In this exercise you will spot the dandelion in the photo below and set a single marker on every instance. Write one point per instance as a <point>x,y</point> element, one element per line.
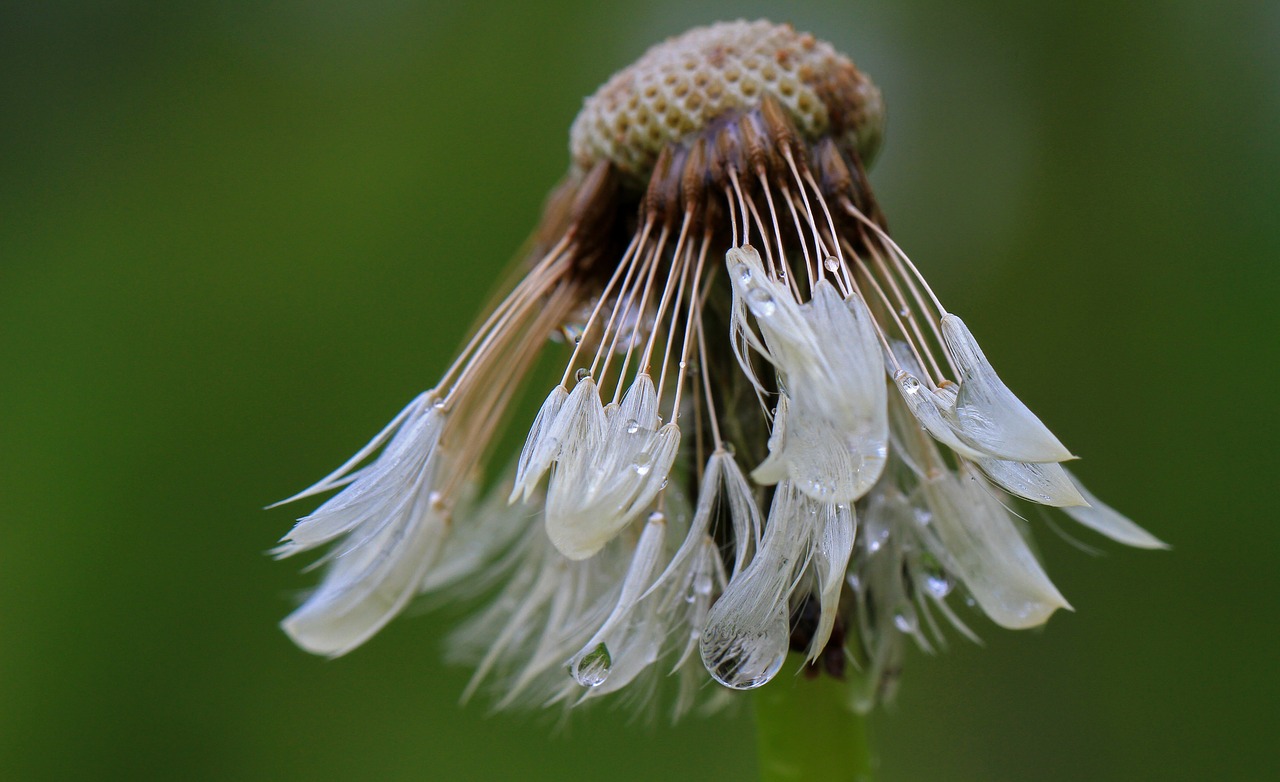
<point>768,436</point>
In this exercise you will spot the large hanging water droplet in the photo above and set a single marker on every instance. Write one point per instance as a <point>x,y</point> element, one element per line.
<point>592,668</point>
<point>748,659</point>
<point>762,303</point>
<point>831,264</point>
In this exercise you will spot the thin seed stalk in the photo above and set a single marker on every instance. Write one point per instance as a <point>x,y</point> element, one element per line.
<point>807,730</point>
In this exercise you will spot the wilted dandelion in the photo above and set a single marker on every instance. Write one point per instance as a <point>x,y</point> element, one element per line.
<point>769,434</point>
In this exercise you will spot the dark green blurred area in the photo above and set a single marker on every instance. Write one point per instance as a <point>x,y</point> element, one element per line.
<point>236,238</point>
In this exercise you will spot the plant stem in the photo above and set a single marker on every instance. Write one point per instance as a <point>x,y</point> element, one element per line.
<point>807,731</point>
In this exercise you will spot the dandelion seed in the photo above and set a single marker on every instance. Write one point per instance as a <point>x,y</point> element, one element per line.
<point>719,283</point>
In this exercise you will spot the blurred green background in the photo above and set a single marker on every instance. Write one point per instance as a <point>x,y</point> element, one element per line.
<point>236,238</point>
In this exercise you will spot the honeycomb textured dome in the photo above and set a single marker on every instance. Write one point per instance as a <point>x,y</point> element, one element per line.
<point>680,85</point>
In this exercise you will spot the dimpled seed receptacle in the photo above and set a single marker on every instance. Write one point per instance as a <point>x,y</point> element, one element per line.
<point>686,82</point>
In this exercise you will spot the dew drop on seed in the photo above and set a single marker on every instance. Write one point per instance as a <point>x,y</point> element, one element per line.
<point>819,489</point>
<point>831,264</point>
<point>910,385</point>
<point>748,660</point>
<point>938,585</point>
<point>582,374</point>
<point>905,621</point>
<point>569,332</point>
<point>904,312</point>
<point>632,426</point>
<point>744,273</point>
<point>762,303</point>
<point>643,464</point>
<point>592,668</point>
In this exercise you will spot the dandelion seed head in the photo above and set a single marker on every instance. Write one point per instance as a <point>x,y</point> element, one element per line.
<point>679,86</point>
<point>769,436</point>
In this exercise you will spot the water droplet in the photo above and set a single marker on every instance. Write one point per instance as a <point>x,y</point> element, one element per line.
<point>905,619</point>
<point>819,489</point>
<point>643,463</point>
<point>592,668</point>
<point>436,501</point>
<point>744,273</point>
<point>831,264</point>
<point>728,448</point>
<point>657,516</point>
<point>632,426</point>
<point>569,332</point>
<point>582,374</point>
<point>762,303</point>
<point>702,585</point>
<point>746,660</point>
<point>938,584</point>
<point>911,385</point>
<point>877,539</point>
<point>904,312</point>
